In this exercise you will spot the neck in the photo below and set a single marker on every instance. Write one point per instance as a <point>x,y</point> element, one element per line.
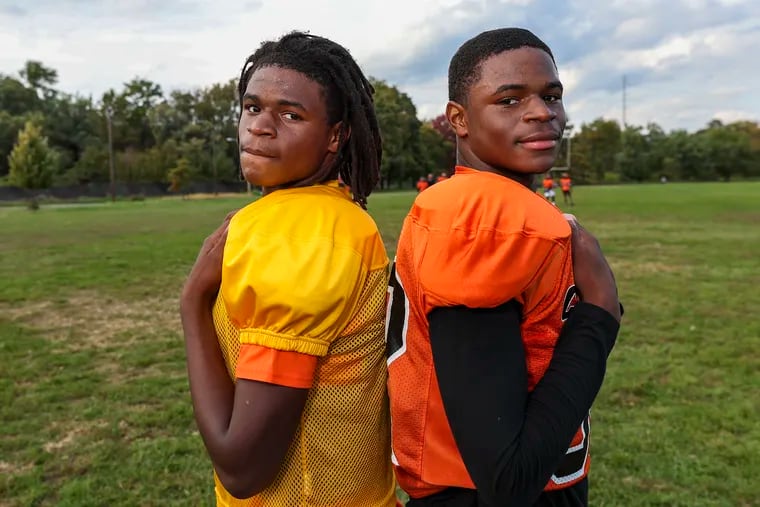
<point>467,160</point>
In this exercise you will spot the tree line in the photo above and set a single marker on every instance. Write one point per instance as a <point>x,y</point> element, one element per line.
<point>51,138</point>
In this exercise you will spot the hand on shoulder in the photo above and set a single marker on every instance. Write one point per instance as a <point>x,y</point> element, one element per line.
<point>593,275</point>
<point>202,285</point>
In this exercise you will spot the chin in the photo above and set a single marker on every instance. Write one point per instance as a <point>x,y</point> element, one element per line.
<point>539,166</point>
<point>531,170</point>
<point>254,178</point>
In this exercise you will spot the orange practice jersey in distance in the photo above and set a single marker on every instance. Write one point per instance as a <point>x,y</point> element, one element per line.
<point>565,184</point>
<point>478,240</point>
<point>548,183</point>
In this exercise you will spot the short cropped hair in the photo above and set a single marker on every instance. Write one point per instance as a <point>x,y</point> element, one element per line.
<point>465,66</point>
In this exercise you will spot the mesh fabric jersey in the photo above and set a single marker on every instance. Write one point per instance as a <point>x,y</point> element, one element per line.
<point>305,272</point>
<point>476,240</point>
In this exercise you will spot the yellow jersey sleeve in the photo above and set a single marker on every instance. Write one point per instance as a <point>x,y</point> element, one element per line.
<point>291,280</point>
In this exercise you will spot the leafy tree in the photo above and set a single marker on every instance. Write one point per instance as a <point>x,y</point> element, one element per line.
<point>39,78</point>
<point>131,123</point>
<point>752,132</point>
<point>217,106</point>
<point>157,161</point>
<point>441,124</point>
<point>728,151</point>
<point>400,130</point>
<point>10,126</point>
<point>179,175</point>
<point>595,150</point>
<point>15,98</point>
<point>92,166</point>
<point>436,152</point>
<point>170,118</point>
<point>141,95</point>
<point>72,123</point>
<point>633,159</point>
<point>152,132</point>
<point>199,157</point>
<point>32,162</point>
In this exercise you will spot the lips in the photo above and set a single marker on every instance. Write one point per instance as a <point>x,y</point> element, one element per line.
<point>540,141</point>
<point>256,152</point>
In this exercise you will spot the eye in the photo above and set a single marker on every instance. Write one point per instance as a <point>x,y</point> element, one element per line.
<point>291,116</point>
<point>551,99</point>
<point>509,101</point>
<point>251,108</point>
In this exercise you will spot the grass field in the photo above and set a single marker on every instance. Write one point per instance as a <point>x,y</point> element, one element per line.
<point>94,406</point>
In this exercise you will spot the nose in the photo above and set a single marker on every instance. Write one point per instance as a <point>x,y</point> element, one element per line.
<point>539,110</point>
<point>262,124</point>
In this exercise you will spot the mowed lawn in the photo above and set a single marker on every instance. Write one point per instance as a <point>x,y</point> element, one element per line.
<point>94,405</point>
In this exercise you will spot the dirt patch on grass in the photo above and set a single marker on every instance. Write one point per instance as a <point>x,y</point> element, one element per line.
<point>89,320</point>
<point>82,430</point>
<point>10,469</point>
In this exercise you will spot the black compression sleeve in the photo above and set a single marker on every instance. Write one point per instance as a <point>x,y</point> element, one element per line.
<point>511,441</point>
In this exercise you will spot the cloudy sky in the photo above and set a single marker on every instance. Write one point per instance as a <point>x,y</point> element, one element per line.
<point>685,61</point>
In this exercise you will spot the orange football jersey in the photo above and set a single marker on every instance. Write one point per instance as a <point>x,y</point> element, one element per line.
<point>477,240</point>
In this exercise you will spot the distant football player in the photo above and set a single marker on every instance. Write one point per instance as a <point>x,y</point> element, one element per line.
<point>494,359</point>
<point>548,185</point>
<point>566,184</point>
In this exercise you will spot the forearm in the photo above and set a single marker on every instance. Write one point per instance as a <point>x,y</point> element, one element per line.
<point>246,426</point>
<point>211,389</point>
<point>510,442</point>
<point>575,374</point>
<point>559,403</point>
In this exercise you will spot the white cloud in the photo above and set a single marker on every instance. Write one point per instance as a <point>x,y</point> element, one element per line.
<point>686,61</point>
<point>729,116</point>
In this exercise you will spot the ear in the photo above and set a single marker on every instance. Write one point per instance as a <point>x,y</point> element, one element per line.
<point>336,133</point>
<point>457,116</point>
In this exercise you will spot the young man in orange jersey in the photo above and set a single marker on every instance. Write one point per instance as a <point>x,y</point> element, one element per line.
<point>548,185</point>
<point>494,358</point>
<point>566,184</point>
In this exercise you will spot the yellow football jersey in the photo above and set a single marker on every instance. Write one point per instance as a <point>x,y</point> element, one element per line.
<point>305,274</point>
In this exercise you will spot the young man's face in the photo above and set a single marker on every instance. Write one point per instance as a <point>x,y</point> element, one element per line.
<point>513,120</point>
<point>284,132</point>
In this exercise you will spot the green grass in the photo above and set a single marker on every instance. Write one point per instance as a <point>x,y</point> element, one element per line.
<point>94,407</point>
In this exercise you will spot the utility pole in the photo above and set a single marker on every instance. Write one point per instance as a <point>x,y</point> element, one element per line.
<point>623,132</point>
<point>213,164</point>
<point>109,115</point>
<point>624,104</point>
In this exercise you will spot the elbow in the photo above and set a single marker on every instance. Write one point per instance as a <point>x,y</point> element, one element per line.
<point>245,483</point>
<point>508,495</point>
<point>518,484</point>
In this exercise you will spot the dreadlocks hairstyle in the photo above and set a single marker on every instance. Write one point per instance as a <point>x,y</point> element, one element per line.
<point>348,95</point>
<point>464,69</point>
